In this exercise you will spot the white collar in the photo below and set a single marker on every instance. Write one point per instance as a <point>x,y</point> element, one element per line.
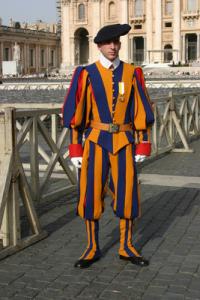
<point>106,63</point>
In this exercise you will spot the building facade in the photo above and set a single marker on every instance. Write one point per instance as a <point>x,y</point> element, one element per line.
<point>39,46</point>
<point>162,30</point>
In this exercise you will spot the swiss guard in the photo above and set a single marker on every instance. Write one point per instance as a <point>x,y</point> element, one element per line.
<point>108,102</point>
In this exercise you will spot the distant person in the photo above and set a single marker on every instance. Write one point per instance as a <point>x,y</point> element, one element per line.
<point>108,102</point>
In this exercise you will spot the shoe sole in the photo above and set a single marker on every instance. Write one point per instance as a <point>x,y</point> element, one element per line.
<point>88,263</point>
<point>135,262</point>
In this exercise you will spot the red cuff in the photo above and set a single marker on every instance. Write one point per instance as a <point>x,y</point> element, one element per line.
<point>143,149</point>
<point>75,150</point>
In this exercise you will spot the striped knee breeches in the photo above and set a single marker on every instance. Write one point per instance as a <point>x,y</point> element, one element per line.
<point>123,182</point>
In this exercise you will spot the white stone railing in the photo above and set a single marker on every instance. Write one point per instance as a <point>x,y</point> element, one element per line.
<point>177,119</point>
<point>33,149</point>
<point>30,151</point>
<point>34,86</point>
<point>64,85</point>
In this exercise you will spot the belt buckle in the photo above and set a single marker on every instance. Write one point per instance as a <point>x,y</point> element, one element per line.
<point>113,128</point>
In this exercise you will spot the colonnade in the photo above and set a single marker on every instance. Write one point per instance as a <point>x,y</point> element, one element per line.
<point>153,32</point>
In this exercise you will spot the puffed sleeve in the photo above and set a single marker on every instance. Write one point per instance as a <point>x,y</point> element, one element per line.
<point>144,117</point>
<point>75,111</point>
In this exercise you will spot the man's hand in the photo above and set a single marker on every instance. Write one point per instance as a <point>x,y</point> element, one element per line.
<point>77,161</point>
<point>140,158</point>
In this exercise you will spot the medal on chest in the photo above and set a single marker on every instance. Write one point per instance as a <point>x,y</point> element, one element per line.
<point>121,91</point>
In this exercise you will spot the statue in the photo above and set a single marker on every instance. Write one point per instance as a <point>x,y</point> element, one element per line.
<point>16,52</point>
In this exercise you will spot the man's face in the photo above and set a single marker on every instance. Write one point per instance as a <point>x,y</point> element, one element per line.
<point>110,49</point>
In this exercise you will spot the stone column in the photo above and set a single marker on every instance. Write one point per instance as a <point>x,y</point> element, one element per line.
<point>1,51</point>
<point>47,58</point>
<point>96,25</point>
<point>65,34</point>
<point>149,28</point>
<point>25,59</point>
<point>28,59</point>
<point>91,52</point>
<point>176,30</point>
<point>72,51</point>
<point>198,47</point>
<point>124,39</point>
<point>158,30</point>
<point>1,57</point>
<point>37,58</point>
<point>183,48</point>
<point>130,48</point>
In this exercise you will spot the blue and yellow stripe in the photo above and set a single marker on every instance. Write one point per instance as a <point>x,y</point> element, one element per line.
<point>126,248</point>
<point>92,251</point>
<point>93,178</point>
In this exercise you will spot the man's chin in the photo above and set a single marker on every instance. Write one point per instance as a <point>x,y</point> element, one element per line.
<point>112,57</point>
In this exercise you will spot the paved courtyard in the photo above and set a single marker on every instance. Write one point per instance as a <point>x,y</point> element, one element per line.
<point>168,234</point>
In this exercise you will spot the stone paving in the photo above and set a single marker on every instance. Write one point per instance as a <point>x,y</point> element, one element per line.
<point>168,235</point>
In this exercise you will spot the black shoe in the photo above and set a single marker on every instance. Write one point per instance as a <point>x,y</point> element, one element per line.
<point>85,263</point>
<point>136,260</point>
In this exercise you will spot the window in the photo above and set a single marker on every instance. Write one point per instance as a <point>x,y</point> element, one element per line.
<point>168,7</point>
<point>139,26</point>
<point>168,53</point>
<point>6,54</point>
<point>81,11</point>
<point>168,24</point>
<point>138,8</point>
<point>42,57</point>
<point>192,5</point>
<point>111,10</point>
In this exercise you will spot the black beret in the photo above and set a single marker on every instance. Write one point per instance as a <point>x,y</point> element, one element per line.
<point>111,32</point>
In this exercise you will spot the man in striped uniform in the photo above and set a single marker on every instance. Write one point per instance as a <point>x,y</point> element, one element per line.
<point>108,102</point>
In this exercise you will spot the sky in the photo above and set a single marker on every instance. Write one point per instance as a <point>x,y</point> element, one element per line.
<point>28,10</point>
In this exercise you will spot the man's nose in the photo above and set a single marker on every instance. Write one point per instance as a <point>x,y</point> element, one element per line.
<point>112,45</point>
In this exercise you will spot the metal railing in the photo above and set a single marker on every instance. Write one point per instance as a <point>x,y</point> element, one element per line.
<point>33,150</point>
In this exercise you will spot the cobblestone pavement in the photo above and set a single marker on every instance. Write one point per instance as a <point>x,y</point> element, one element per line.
<point>167,234</point>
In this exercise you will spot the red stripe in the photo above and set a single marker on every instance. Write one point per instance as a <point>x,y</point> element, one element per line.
<point>140,77</point>
<point>79,89</point>
<point>78,94</point>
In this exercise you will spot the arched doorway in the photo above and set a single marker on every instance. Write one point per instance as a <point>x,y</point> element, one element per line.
<point>168,53</point>
<point>138,50</point>
<point>81,48</point>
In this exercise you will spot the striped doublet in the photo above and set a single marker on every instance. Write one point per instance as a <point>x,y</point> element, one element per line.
<point>114,97</point>
<point>94,95</point>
